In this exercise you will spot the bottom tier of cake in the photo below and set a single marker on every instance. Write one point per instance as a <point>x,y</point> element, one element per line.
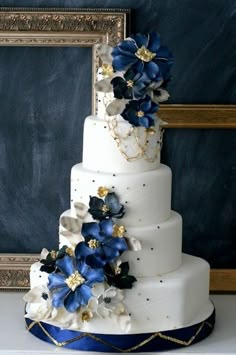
<point>159,303</point>
<point>198,330</point>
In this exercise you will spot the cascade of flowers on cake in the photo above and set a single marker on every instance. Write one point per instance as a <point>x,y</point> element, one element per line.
<point>137,72</point>
<point>86,279</point>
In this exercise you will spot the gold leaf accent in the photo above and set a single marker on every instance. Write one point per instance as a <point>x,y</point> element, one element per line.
<point>144,54</point>
<point>103,191</point>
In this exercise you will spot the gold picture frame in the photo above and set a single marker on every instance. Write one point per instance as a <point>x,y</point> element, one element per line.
<point>87,27</point>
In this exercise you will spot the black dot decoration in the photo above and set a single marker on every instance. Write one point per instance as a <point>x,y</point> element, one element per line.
<point>99,100</point>
<point>93,180</point>
<point>152,248</point>
<point>129,314</point>
<point>161,281</point>
<point>144,184</point>
<point>114,174</point>
<point>126,201</point>
<point>40,275</point>
<point>138,259</point>
<point>147,141</point>
<point>148,299</point>
<point>113,187</point>
<point>71,200</point>
<point>75,190</point>
<point>158,227</point>
<point>105,126</point>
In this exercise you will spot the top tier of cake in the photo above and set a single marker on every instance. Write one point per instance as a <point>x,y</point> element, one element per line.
<point>104,152</point>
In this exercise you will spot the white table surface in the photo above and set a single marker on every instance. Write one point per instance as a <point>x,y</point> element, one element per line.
<point>16,340</point>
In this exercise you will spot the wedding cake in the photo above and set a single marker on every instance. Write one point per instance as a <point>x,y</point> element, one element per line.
<point>119,281</point>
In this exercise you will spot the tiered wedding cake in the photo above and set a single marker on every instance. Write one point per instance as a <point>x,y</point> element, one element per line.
<point>120,281</point>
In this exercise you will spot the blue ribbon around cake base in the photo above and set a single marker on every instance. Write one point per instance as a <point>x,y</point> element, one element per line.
<point>145,342</point>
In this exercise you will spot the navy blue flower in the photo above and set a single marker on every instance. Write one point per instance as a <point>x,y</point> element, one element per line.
<point>99,246</point>
<point>71,287</point>
<point>145,54</point>
<point>132,86</point>
<point>141,112</point>
<point>107,208</point>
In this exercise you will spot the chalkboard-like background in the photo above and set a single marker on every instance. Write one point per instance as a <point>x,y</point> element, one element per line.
<point>45,94</point>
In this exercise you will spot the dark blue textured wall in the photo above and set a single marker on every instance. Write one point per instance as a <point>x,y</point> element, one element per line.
<point>45,96</point>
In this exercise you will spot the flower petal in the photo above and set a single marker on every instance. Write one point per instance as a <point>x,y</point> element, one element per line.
<point>133,244</point>
<point>81,210</point>
<point>56,281</point>
<point>98,289</point>
<point>82,250</point>
<point>106,227</point>
<point>85,293</point>
<point>102,311</point>
<point>90,229</point>
<point>44,253</point>
<point>73,301</point>
<point>154,42</point>
<point>104,52</point>
<point>122,62</point>
<point>104,85</point>
<point>116,107</point>
<point>66,265</point>
<point>71,224</point>
<point>58,297</point>
<point>94,275</point>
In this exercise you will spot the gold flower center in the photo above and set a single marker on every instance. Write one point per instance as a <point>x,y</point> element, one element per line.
<point>103,191</point>
<point>105,208</point>
<point>86,316</point>
<point>53,254</point>
<point>130,83</point>
<point>93,244</point>
<point>118,231</point>
<point>144,54</point>
<point>107,69</point>
<point>74,280</point>
<point>140,113</point>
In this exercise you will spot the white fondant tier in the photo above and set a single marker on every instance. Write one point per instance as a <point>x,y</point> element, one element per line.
<point>146,196</point>
<point>166,302</point>
<point>161,247</point>
<point>101,151</point>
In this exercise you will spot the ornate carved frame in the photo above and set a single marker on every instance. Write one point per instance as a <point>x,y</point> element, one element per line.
<point>87,27</point>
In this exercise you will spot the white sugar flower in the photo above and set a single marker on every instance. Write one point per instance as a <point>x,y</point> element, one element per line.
<point>39,305</point>
<point>70,227</point>
<point>107,303</point>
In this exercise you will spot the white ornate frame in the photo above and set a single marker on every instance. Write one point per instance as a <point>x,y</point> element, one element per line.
<point>54,27</point>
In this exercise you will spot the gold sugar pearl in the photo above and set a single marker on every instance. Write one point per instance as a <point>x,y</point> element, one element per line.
<point>118,231</point>
<point>144,54</point>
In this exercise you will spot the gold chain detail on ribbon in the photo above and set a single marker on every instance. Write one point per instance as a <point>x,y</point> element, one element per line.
<point>135,347</point>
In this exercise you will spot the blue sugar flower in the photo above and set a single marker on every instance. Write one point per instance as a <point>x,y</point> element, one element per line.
<point>107,208</point>
<point>141,112</point>
<point>145,54</point>
<point>132,86</point>
<point>99,246</point>
<point>71,287</point>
